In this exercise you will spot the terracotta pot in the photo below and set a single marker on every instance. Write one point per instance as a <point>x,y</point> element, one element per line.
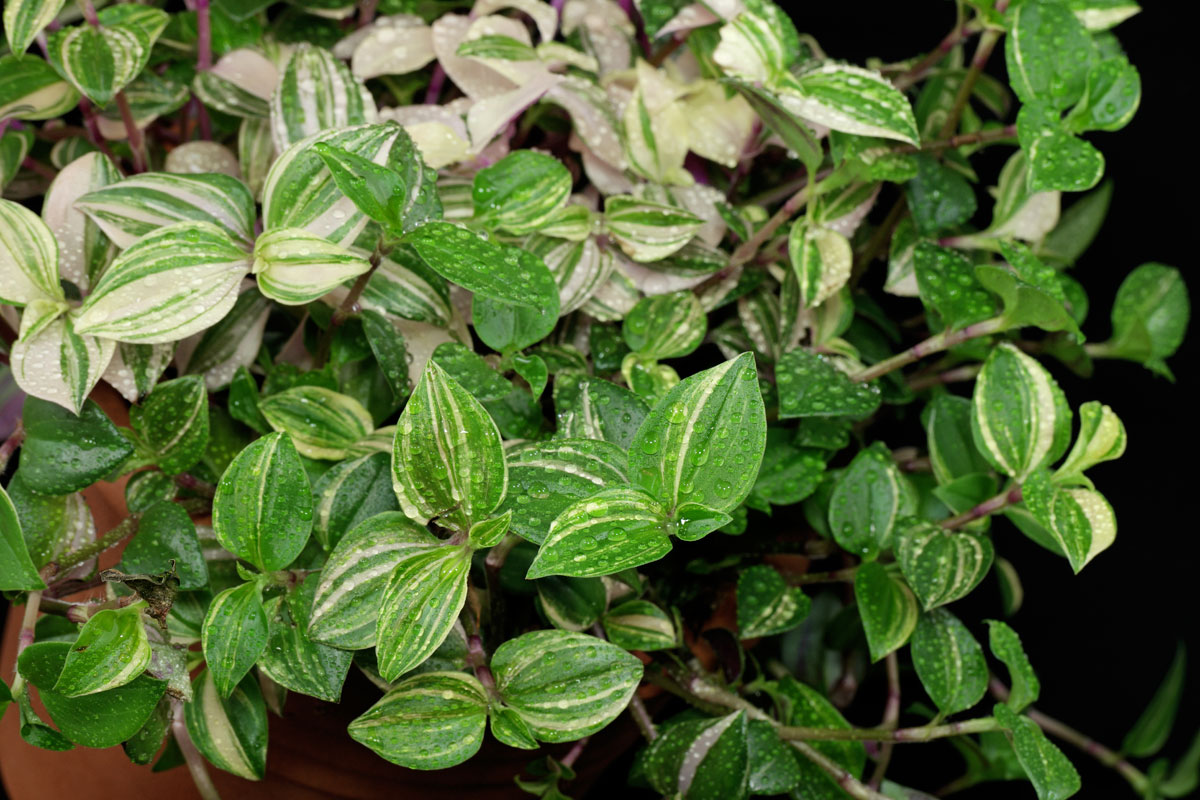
<point>309,755</point>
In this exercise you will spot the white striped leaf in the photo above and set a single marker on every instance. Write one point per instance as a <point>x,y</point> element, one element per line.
<point>648,231</point>
<point>322,423</point>
<point>851,100</point>
<point>1101,438</point>
<point>255,153</point>
<point>870,497</point>
<point>403,286</point>
<point>508,728</point>
<point>665,325</point>
<point>704,441</point>
<point>571,604</point>
<point>949,662</point>
<point>1081,521</point>
<point>101,60</point>
<point>574,222</point>
<point>25,19</point>
<point>292,659</point>
<point>429,721</point>
<point>112,650</point>
<point>230,344</point>
<point>135,368</point>
<point>597,409</point>
<point>234,635</point>
<point>887,607</point>
<point>544,478</point>
<point>579,268</point>
<point>316,93</point>
<point>612,530</point>
<point>766,605</point>
<point>53,524</point>
<point>347,599</point>
<point>759,313</point>
<point>1020,418</point>
<point>656,131</point>
<point>262,510</point>
<point>821,258</point>
<point>172,283</point>
<point>351,492</point>
<point>59,364</point>
<point>941,565</point>
<point>488,532</point>
<point>172,424</point>
<point>84,250</point>
<point>420,604</point>
<point>228,97</point>
<point>230,732</point>
<point>640,625</point>
<point>141,204</point>
<point>14,148</point>
<point>300,192</point>
<point>521,192</point>
<point>701,758</point>
<point>296,267</point>
<point>448,462</point>
<point>532,670</point>
<point>757,45</point>
<point>30,89</point>
<point>28,257</point>
<point>1100,15</point>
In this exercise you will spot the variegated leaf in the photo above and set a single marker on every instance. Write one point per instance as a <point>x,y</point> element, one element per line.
<point>521,192</point>
<point>30,89</point>
<point>403,286</point>
<point>949,662</point>
<point>887,606</point>
<point>701,758</point>
<point>28,257</point>
<point>240,83</point>
<point>1052,774</point>
<point>531,671</point>
<point>14,149</point>
<point>571,604</point>
<point>25,19</point>
<point>448,462</point>
<point>597,409</point>
<point>172,424</point>
<point>808,706</point>
<point>940,565</point>
<point>230,732</point>
<point>1081,521</point>
<point>255,153</point>
<point>135,368</point>
<point>952,451</point>
<point>870,497</point>
<point>766,605</point>
<point>301,193</point>
<point>292,659</point>
<point>296,267</point>
<point>348,597</point>
<point>59,364</point>
<point>232,343</point>
<point>429,721</point>
<point>704,441</point>
<point>648,231</point>
<point>1020,418</point>
<point>316,93</point>
<point>234,635</point>
<point>101,60</point>
<point>821,258</point>
<point>656,127</point>
<point>852,100</point>
<point>666,325</point>
<point>579,268</point>
<point>1101,438</point>
<point>84,250</point>
<point>351,492</point>
<point>395,45</point>
<point>322,423</point>
<point>546,477</point>
<point>52,524</point>
<point>1005,645</point>
<point>422,599</point>
<point>758,45</point>
<point>149,97</point>
<point>112,650</point>
<point>641,625</point>
<point>612,530</point>
<point>17,570</point>
<point>141,204</point>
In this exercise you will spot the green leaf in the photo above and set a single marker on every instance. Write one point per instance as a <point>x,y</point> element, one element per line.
<point>448,462</point>
<point>348,596</point>
<point>534,370</point>
<point>1152,729</point>
<point>648,231</point>
<point>175,281</point>
<point>1048,53</point>
<point>1080,521</point>
<point>64,453</point>
<point>17,571</point>
<point>949,662</point>
<point>704,759</point>
<point>471,371</point>
<point>1101,438</point>
<point>887,606</point>
<point>952,452</point>
<point>532,669</point>
<point>939,196</point>
<point>852,100</point>
<point>508,728</point>
<point>773,770</point>
<point>231,732</point>
<point>1185,775</point>
<point>1052,775</point>
<point>572,604</point>
<point>234,635</point>
<point>1149,315</point>
<point>112,650</point>
<point>30,257</point>
<point>104,719</point>
<point>321,423</point>
<point>940,565</point>
<point>665,325</point>
<point>607,532</point>
<point>30,88</point>
<point>262,511</point>
<point>25,19</point>
<point>52,525</point>
<point>766,605</point>
<point>704,441</point>
<point>770,108</point>
<point>429,721</point>
<point>788,473</point>
<point>488,532</point>
<point>870,496</point>
<point>316,93</point>
<point>296,267</point>
<point>350,493</point>
<point>521,192</point>
<point>389,349</point>
<point>948,286</point>
<point>811,386</point>
<point>1077,227</point>
<point>1114,90</point>
<point>593,408</point>
<point>166,533</point>
<point>641,625</point>
<point>420,604</point>
<point>1006,646</point>
<point>1031,291</point>
<point>101,60</point>
<point>292,659</point>
<point>131,208</point>
<point>501,273</point>
<point>1019,413</point>
<point>507,327</point>
<point>805,706</point>
<point>145,744</point>
<point>821,258</point>
<point>172,423</point>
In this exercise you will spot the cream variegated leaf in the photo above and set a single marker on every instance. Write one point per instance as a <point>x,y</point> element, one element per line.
<point>594,118</point>
<point>141,204</point>
<point>100,60</point>
<point>25,19</point>
<point>821,258</point>
<point>135,368</point>
<point>256,153</point>
<point>887,606</point>
<point>754,46</point>
<point>579,268</point>
<point>657,128</point>
<point>1101,438</point>
<point>240,83</point>
<point>172,283</point>
<point>940,565</point>
<point>234,342</point>
<point>58,364</point>
<point>296,267</point>
<point>851,100</point>
<point>1080,520</point>
<point>84,250</point>
<point>648,231</point>
<point>316,94</point>
<point>230,732</point>
<point>665,326</point>
<point>29,257</point>
<point>322,423</point>
<point>394,45</point>
<point>32,90</point>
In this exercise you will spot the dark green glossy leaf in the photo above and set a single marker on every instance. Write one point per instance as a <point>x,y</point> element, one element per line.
<point>293,660</point>
<point>766,605</point>
<point>940,565</point>
<point>939,197</point>
<point>17,571</point>
<point>63,453</point>
<point>887,606</point>
<point>704,759</point>
<point>1006,646</point>
<point>1052,775</point>
<point>231,732</point>
<point>811,386</point>
<point>234,634</point>
<point>166,533</point>
<point>948,286</point>
<point>1153,727</point>
<point>112,650</point>
<point>949,662</point>
<point>870,496</point>
<point>349,493</point>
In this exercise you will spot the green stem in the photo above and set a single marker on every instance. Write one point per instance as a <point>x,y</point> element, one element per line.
<point>975,137</point>
<point>195,762</point>
<point>748,249</point>
<point>934,344</point>
<point>957,35</point>
<point>642,718</point>
<point>987,42</point>
<point>924,733</point>
<point>127,527</point>
<point>891,718</point>
<point>990,506</point>
<point>349,306</point>
<point>850,785</point>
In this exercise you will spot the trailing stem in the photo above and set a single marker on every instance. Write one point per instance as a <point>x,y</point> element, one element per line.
<point>195,762</point>
<point>988,507</point>
<point>748,249</point>
<point>127,527</point>
<point>934,344</point>
<point>891,717</point>
<point>137,142</point>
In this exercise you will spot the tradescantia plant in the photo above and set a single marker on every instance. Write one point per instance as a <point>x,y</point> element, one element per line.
<point>493,398</point>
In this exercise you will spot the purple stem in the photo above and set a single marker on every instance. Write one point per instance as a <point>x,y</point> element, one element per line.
<point>203,36</point>
<point>435,86</point>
